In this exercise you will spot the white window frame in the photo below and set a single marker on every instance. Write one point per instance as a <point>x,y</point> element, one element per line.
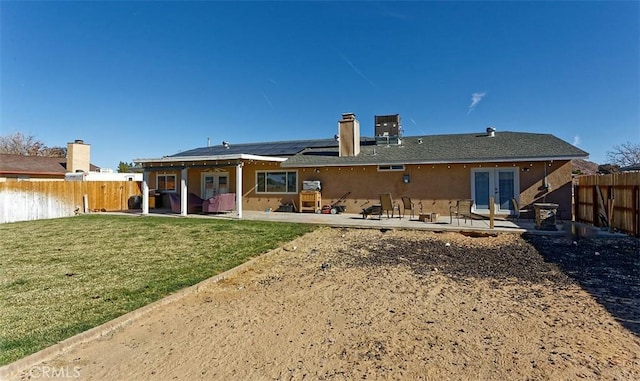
<point>391,168</point>
<point>266,173</point>
<point>175,182</point>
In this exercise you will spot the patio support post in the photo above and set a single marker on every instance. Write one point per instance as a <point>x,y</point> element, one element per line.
<point>239,188</point>
<point>184,195</point>
<point>145,193</point>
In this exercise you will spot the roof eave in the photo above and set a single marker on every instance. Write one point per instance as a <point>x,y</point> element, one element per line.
<point>432,162</point>
<point>9,172</point>
<point>182,159</point>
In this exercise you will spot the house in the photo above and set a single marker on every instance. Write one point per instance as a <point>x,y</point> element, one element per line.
<point>76,166</point>
<point>433,170</point>
<point>37,168</point>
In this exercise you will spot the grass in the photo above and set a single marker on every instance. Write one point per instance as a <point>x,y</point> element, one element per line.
<point>63,276</point>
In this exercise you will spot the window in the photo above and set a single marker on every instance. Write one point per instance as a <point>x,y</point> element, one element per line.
<point>395,167</point>
<point>166,183</point>
<point>276,182</point>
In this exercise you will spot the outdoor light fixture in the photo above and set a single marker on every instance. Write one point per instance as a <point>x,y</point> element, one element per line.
<point>406,179</point>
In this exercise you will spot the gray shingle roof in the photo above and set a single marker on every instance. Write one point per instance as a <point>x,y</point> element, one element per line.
<point>454,148</point>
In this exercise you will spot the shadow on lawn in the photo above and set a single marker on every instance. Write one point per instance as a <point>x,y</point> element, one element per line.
<point>608,267</point>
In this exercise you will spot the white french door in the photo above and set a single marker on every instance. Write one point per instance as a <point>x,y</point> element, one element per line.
<point>214,183</point>
<point>502,184</point>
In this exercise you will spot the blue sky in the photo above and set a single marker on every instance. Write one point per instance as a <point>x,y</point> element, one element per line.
<point>138,79</point>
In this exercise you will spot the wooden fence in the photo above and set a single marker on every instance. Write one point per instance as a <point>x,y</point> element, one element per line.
<point>610,201</point>
<point>33,200</point>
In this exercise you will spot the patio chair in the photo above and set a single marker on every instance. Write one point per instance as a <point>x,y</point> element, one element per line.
<point>517,209</point>
<point>387,204</point>
<point>462,209</point>
<point>408,204</point>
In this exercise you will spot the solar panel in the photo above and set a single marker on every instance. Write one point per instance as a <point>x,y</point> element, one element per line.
<point>283,148</point>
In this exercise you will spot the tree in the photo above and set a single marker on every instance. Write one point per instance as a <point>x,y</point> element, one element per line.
<point>625,155</point>
<point>19,144</point>
<point>124,167</point>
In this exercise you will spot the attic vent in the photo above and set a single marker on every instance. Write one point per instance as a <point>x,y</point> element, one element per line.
<point>491,131</point>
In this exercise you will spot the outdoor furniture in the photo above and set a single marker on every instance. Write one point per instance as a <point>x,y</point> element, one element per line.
<point>408,204</point>
<point>428,217</point>
<point>517,209</point>
<point>462,209</point>
<point>224,202</point>
<point>373,209</point>
<point>194,203</point>
<point>387,204</point>
<point>310,201</point>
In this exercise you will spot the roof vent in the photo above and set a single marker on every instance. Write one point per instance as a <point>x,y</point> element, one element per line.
<point>491,131</point>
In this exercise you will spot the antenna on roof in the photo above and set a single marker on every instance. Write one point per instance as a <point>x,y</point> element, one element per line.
<point>208,142</point>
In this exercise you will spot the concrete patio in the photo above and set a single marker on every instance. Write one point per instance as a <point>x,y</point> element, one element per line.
<point>443,223</point>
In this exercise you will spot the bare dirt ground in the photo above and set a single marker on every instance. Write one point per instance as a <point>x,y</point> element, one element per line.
<point>345,304</point>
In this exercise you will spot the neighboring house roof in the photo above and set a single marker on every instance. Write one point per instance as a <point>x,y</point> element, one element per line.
<point>34,165</point>
<point>452,148</point>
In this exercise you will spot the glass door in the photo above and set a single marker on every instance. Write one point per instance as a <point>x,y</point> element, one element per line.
<point>214,183</point>
<point>500,183</point>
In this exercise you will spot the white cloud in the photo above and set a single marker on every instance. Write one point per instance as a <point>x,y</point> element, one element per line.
<point>576,140</point>
<point>475,99</point>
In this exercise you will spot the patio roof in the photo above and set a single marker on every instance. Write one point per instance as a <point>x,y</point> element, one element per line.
<point>189,161</point>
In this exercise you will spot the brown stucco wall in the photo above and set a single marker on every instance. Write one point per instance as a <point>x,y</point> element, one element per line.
<point>432,188</point>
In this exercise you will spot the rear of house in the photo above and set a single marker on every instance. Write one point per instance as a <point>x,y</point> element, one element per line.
<point>433,170</point>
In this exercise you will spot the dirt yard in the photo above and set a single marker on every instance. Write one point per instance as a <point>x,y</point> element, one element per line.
<point>345,304</point>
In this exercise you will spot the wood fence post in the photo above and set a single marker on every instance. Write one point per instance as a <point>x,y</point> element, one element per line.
<point>594,205</point>
<point>636,213</point>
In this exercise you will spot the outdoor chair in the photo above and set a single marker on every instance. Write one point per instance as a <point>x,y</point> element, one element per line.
<point>462,209</point>
<point>408,204</point>
<point>194,203</point>
<point>387,204</point>
<point>517,209</point>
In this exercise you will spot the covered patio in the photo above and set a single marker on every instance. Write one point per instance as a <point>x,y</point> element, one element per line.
<point>186,163</point>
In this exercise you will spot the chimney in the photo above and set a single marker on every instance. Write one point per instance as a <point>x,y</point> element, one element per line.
<point>349,135</point>
<point>78,156</point>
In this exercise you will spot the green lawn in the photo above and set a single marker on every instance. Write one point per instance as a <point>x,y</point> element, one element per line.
<point>63,276</point>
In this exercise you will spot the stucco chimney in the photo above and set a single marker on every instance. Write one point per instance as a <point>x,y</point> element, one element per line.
<point>349,135</point>
<point>78,156</point>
